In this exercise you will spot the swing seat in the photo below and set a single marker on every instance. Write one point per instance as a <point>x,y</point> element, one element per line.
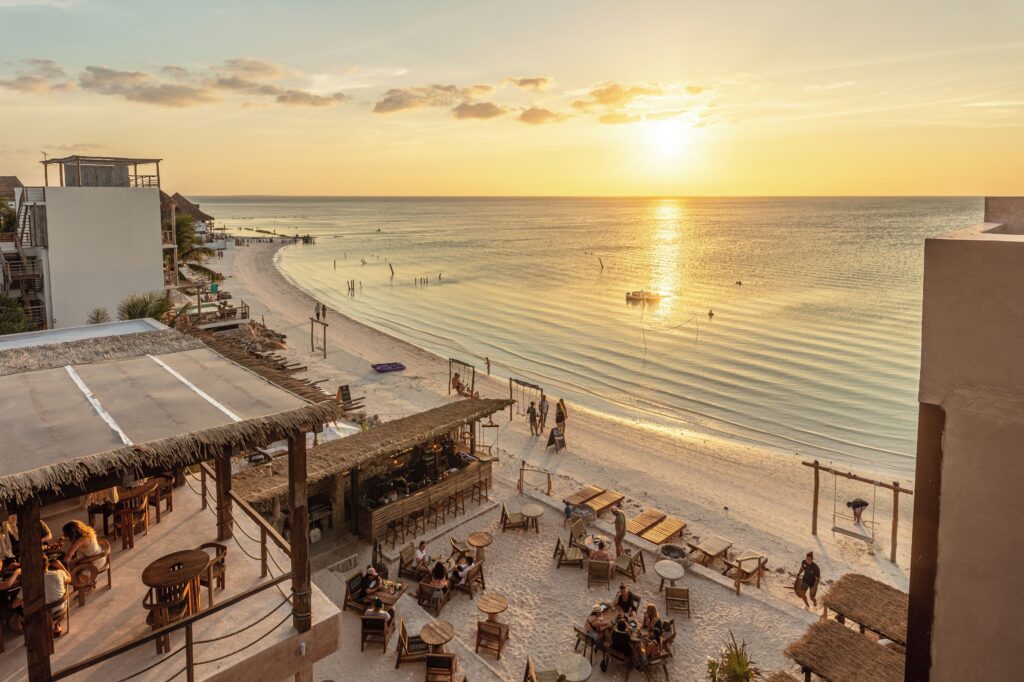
<point>853,534</point>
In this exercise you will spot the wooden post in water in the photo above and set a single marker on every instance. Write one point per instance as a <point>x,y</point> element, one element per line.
<point>302,617</point>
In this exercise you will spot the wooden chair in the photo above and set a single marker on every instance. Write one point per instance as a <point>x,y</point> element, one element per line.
<point>599,572</point>
<point>491,636</point>
<point>588,644</point>
<point>441,667</point>
<point>668,633</point>
<point>216,574</point>
<point>512,519</point>
<point>745,567</point>
<point>569,557</point>
<point>376,629</point>
<point>432,598</point>
<point>167,606</point>
<point>611,654</point>
<point>578,531</point>
<point>678,599</point>
<point>475,577</point>
<point>407,564</point>
<point>62,607</point>
<point>458,549</point>
<point>655,662</point>
<point>630,564</point>
<point>86,570</point>
<point>131,514</point>
<point>534,675</point>
<point>354,597</point>
<point>410,649</point>
<point>163,491</point>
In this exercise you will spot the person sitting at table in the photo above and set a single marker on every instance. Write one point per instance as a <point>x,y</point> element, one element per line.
<point>652,645</point>
<point>377,609</point>
<point>651,621</point>
<point>622,642</point>
<point>80,544</point>
<point>600,554</point>
<point>438,577</point>
<point>626,602</point>
<point>598,629</point>
<point>10,529</point>
<point>420,559</point>
<point>371,583</point>
<point>461,572</point>
<point>55,586</point>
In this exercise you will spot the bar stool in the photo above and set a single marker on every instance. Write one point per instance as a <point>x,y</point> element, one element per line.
<point>437,511</point>
<point>457,502</point>
<point>392,530</point>
<point>416,522</point>
<point>478,491</point>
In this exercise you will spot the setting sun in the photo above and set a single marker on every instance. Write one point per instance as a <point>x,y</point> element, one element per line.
<point>668,136</point>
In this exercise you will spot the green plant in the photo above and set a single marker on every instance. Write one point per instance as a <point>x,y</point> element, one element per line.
<point>12,316</point>
<point>732,664</point>
<point>191,251</point>
<point>8,218</point>
<point>137,306</point>
<point>97,316</point>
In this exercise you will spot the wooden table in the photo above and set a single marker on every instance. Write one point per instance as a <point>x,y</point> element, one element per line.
<point>479,540</point>
<point>532,512</point>
<point>436,634</point>
<point>670,571</point>
<point>389,597</point>
<point>179,568</point>
<point>710,548</point>
<point>591,542</point>
<point>492,604</point>
<point>576,668</point>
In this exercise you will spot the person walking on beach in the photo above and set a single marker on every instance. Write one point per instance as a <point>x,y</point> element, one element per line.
<point>807,579</point>
<point>620,530</point>
<point>488,361</point>
<point>543,412</point>
<point>560,415</point>
<point>531,412</point>
<point>316,311</point>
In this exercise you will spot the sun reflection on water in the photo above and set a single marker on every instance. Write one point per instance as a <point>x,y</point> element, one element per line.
<point>666,260</point>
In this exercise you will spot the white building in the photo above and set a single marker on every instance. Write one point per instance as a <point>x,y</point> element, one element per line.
<point>87,242</point>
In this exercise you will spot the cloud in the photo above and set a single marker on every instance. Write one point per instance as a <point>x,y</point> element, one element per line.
<point>612,95</point>
<point>59,4</point>
<point>302,98</point>
<point>136,86</point>
<point>178,73</point>
<point>479,110</point>
<point>247,67</point>
<point>78,147</point>
<point>694,89</point>
<point>618,118</point>
<point>38,76</point>
<point>529,82</point>
<point>536,116</point>
<point>402,99</point>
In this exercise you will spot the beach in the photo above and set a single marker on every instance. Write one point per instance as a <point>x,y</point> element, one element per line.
<point>758,498</point>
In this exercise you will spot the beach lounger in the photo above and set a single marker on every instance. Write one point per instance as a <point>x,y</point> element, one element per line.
<point>641,523</point>
<point>605,501</point>
<point>583,495</point>
<point>746,566</point>
<point>669,527</point>
<point>709,549</point>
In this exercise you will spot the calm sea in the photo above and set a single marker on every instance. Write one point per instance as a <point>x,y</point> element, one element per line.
<point>816,352</point>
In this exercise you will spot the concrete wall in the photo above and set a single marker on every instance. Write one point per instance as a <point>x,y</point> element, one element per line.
<point>104,244</point>
<point>1009,211</point>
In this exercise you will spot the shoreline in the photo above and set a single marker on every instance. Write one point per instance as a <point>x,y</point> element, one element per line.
<point>757,497</point>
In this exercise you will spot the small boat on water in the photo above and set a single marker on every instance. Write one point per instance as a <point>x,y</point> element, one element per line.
<point>388,367</point>
<point>645,296</point>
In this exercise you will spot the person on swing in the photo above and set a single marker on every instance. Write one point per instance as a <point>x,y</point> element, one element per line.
<point>858,506</point>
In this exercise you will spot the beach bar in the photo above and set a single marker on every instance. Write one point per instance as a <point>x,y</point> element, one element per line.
<point>109,425</point>
<point>392,478</point>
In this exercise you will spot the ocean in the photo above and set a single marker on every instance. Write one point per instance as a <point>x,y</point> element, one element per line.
<point>813,347</point>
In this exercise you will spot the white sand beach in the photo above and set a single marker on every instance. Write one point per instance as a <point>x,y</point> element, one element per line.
<point>758,499</point>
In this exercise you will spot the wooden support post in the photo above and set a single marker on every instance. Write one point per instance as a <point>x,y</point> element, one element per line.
<point>302,617</point>
<point>222,467</point>
<point>895,519</point>
<point>325,340</point>
<point>312,343</point>
<point>472,439</point>
<point>158,174</point>
<point>78,162</point>
<point>37,639</point>
<point>814,517</point>
<point>354,521</point>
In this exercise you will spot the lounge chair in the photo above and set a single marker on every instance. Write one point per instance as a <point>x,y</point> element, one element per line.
<point>491,636</point>
<point>569,557</point>
<point>665,529</point>
<point>630,564</point>
<point>475,577</point>
<point>534,675</point>
<point>746,566</point>
<point>605,501</point>
<point>640,523</point>
<point>376,629</point>
<point>599,572</point>
<point>432,598</point>
<point>585,494</point>
<point>410,649</point>
<point>677,599</point>
<point>512,519</point>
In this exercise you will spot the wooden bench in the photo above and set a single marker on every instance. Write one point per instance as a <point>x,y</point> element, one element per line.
<point>641,523</point>
<point>669,527</point>
<point>584,495</point>
<point>604,501</point>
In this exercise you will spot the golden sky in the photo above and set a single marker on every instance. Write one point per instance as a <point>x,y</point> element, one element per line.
<point>524,98</point>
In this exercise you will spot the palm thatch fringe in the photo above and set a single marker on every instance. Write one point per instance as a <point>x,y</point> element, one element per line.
<point>780,676</point>
<point>837,653</point>
<point>99,349</point>
<point>367,449</point>
<point>873,604</point>
<point>257,365</point>
<point>168,453</point>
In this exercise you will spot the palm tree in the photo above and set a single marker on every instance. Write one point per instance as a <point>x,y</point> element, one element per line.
<point>137,306</point>
<point>97,316</point>
<point>12,316</point>
<point>191,251</point>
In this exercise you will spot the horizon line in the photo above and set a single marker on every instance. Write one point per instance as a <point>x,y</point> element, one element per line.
<point>591,196</point>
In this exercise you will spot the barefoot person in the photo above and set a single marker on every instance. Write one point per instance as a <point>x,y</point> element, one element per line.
<point>531,411</point>
<point>544,413</point>
<point>858,506</point>
<point>561,413</point>
<point>807,579</point>
<point>620,530</point>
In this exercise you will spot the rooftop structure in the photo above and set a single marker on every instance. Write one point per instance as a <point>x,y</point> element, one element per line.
<point>968,507</point>
<point>103,171</point>
<point>107,410</point>
<point>191,210</point>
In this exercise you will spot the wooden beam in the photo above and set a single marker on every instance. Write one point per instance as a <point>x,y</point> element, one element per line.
<point>895,520</point>
<point>814,516</point>
<point>855,477</point>
<point>222,468</point>
<point>302,617</point>
<point>37,639</point>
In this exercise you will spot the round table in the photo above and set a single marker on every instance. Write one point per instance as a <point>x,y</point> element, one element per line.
<point>492,604</point>
<point>591,542</point>
<point>437,633</point>
<point>576,668</point>
<point>532,512</point>
<point>175,569</point>
<point>670,571</point>
<point>479,540</point>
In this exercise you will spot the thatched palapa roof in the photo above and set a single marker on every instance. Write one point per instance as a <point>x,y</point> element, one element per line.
<point>780,676</point>
<point>873,604</point>
<point>839,654</point>
<point>385,440</point>
<point>190,209</point>
<point>9,185</point>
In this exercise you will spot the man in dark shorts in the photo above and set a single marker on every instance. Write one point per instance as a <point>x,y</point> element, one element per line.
<point>807,579</point>
<point>532,412</point>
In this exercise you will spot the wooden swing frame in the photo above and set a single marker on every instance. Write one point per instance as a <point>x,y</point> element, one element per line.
<point>521,485</point>
<point>521,385</point>
<point>452,363</point>
<point>894,487</point>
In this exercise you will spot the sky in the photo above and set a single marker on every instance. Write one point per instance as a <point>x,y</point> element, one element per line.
<point>790,97</point>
